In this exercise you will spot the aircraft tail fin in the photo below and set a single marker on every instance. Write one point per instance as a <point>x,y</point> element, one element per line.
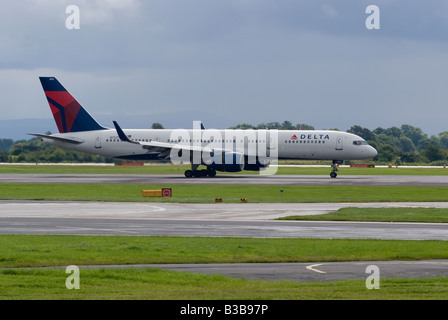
<point>69,115</point>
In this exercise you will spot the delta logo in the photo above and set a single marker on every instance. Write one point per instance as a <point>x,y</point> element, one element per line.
<point>294,137</point>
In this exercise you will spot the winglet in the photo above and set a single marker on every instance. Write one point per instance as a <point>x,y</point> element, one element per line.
<point>121,134</point>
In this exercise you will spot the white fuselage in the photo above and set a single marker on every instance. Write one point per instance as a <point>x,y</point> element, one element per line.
<point>282,144</point>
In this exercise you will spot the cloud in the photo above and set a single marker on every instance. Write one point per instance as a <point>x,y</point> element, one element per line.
<point>329,11</point>
<point>107,11</point>
<point>92,11</point>
<point>254,60</point>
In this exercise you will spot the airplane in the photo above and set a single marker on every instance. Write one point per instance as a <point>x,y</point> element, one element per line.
<point>218,150</point>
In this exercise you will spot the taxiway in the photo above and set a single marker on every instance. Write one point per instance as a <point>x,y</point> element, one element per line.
<point>254,179</point>
<point>214,220</point>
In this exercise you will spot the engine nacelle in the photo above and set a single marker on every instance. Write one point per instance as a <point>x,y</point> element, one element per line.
<point>255,167</point>
<point>260,163</point>
<point>229,162</point>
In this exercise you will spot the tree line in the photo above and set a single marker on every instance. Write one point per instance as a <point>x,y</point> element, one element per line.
<point>405,145</point>
<point>395,145</point>
<point>35,150</point>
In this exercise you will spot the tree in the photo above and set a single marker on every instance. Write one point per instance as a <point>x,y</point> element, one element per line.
<point>5,144</point>
<point>243,126</point>
<point>384,139</point>
<point>433,153</point>
<point>270,125</point>
<point>287,125</point>
<point>386,153</point>
<point>35,150</point>
<point>303,126</point>
<point>413,133</point>
<point>362,132</point>
<point>410,157</point>
<point>57,156</point>
<point>157,125</point>
<point>378,130</point>
<point>443,139</point>
<point>406,144</point>
<point>393,132</point>
<point>3,156</point>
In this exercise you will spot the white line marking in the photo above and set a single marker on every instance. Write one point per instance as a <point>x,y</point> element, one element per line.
<point>315,265</point>
<point>157,209</point>
<point>85,229</point>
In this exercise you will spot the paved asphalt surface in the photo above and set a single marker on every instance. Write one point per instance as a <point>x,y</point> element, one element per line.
<point>342,180</point>
<point>305,272</point>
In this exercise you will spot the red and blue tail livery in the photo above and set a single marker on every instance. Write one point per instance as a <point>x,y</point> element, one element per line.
<point>69,115</point>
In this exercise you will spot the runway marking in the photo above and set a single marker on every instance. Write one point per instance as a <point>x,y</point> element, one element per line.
<point>157,209</point>
<point>84,229</point>
<point>315,270</point>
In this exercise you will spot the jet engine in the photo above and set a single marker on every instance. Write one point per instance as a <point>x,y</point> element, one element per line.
<point>228,162</point>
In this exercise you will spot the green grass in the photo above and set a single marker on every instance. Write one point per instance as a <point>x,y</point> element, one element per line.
<point>428,215</point>
<point>198,193</point>
<point>52,250</point>
<point>149,283</point>
<point>156,284</point>
<point>93,169</point>
<point>179,170</point>
<point>363,171</point>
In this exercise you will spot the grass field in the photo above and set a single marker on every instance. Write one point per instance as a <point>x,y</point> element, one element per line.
<point>198,193</point>
<point>19,251</point>
<point>426,215</point>
<point>148,283</point>
<point>156,284</point>
<point>49,250</point>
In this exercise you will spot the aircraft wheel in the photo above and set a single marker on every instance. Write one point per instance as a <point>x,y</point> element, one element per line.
<point>198,173</point>
<point>188,173</point>
<point>211,172</point>
<point>333,174</point>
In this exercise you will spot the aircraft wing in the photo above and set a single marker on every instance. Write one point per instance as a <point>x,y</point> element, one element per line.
<point>71,140</point>
<point>156,146</point>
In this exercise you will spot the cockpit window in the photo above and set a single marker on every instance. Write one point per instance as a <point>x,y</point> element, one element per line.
<point>360,143</point>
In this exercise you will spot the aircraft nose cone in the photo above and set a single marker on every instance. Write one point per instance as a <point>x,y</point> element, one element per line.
<point>372,151</point>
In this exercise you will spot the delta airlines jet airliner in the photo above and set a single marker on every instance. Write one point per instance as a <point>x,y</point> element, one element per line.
<point>217,150</point>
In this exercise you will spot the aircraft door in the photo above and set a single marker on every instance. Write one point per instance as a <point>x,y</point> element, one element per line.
<point>339,144</point>
<point>98,141</point>
<point>270,143</point>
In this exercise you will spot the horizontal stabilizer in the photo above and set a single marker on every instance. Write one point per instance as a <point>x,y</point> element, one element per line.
<point>60,139</point>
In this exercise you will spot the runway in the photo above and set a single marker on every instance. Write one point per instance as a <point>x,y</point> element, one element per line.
<point>316,272</point>
<point>254,179</point>
<point>205,220</point>
<point>302,272</point>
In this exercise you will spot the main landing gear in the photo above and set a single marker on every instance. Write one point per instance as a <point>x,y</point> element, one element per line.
<point>194,173</point>
<point>335,168</point>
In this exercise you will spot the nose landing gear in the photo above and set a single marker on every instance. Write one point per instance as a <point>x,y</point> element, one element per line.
<point>335,168</point>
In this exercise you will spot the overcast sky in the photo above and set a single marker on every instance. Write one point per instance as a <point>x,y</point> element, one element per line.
<point>231,61</point>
